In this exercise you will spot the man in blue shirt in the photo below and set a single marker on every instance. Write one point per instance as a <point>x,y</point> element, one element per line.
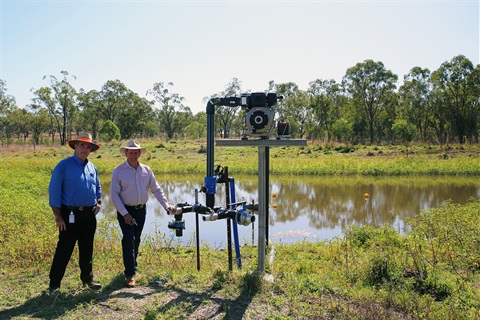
<point>75,193</point>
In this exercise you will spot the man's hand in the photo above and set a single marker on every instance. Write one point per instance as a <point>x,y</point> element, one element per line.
<point>129,219</point>
<point>60,223</point>
<point>96,209</point>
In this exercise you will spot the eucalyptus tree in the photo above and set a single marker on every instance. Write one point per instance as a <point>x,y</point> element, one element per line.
<point>113,97</point>
<point>59,100</point>
<point>172,115</point>
<point>371,87</point>
<point>414,95</point>
<point>41,122</point>
<point>404,132</point>
<point>439,121</point>
<point>342,129</point>
<point>20,123</point>
<point>91,115</point>
<point>132,119</point>
<point>227,116</point>
<point>150,128</point>
<point>324,97</point>
<point>293,107</point>
<point>197,127</point>
<point>475,101</point>
<point>387,116</point>
<point>457,81</point>
<point>7,103</point>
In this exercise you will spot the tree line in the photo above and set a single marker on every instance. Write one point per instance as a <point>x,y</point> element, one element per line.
<point>365,107</point>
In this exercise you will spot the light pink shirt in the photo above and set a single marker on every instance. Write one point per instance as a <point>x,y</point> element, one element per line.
<point>130,187</point>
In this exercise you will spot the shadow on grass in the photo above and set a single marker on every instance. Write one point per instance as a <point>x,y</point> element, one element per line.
<point>56,305</point>
<point>60,304</point>
<point>211,305</point>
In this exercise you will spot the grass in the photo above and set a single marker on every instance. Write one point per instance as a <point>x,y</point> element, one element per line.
<point>430,272</point>
<point>188,157</point>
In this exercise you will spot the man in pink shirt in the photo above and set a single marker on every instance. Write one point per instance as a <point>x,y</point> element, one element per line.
<point>131,181</point>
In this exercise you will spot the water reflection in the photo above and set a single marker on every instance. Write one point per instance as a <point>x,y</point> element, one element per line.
<point>309,209</point>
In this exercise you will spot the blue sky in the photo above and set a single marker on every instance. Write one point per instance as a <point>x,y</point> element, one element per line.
<point>201,46</point>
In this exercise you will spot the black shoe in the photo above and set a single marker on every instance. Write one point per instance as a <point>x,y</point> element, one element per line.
<point>93,285</point>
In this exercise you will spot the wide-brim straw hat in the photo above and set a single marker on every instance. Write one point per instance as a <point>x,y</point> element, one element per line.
<point>84,137</point>
<point>133,145</point>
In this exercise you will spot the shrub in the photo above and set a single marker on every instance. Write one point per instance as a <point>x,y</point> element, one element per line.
<point>109,131</point>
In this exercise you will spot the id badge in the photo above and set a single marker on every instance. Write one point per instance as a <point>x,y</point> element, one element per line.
<point>71,217</point>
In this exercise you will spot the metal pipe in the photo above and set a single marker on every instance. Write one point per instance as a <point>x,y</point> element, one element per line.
<point>210,110</point>
<point>197,231</point>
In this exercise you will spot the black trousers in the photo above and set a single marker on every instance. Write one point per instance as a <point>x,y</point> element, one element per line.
<point>131,239</point>
<point>83,231</point>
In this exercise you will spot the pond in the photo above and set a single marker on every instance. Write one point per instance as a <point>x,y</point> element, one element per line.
<point>306,208</point>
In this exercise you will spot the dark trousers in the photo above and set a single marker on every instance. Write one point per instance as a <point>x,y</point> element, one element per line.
<point>83,231</point>
<point>131,239</point>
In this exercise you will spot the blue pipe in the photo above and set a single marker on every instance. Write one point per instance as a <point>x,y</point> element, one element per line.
<point>235,225</point>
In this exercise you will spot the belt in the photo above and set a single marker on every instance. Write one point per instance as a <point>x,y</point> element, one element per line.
<point>137,206</point>
<point>86,208</point>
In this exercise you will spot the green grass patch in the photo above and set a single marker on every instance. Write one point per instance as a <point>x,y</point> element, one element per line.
<point>429,272</point>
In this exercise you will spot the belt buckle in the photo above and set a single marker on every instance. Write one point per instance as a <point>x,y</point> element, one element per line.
<point>80,208</point>
<point>139,206</point>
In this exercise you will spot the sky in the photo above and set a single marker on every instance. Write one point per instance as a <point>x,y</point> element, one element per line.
<point>201,46</point>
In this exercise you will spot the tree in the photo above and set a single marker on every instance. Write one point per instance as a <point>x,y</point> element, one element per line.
<point>40,123</point>
<point>324,98</point>
<point>91,115</point>
<point>114,96</point>
<point>171,113</point>
<point>404,131</point>
<point>293,107</point>
<point>59,100</point>
<point>475,101</point>
<point>7,103</point>
<point>456,80</point>
<point>131,120</point>
<point>197,127</point>
<point>342,129</point>
<point>414,97</point>
<point>439,120</point>
<point>20,123</point>
<point>370,85</point>
<point>225,115</point>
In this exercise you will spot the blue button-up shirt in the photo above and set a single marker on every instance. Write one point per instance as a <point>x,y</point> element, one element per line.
<point>74,183</point>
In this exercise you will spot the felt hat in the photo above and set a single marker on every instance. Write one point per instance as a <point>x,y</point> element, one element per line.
<point>133,145</point>
<point>84,137</point>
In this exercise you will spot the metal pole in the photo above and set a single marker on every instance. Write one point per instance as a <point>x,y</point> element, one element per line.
<point>253,225</point>
<point>210,198</point>
<point>262,210</point>
<point>236,242</point>
<point>197,231</point>
<point>267,192</point>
